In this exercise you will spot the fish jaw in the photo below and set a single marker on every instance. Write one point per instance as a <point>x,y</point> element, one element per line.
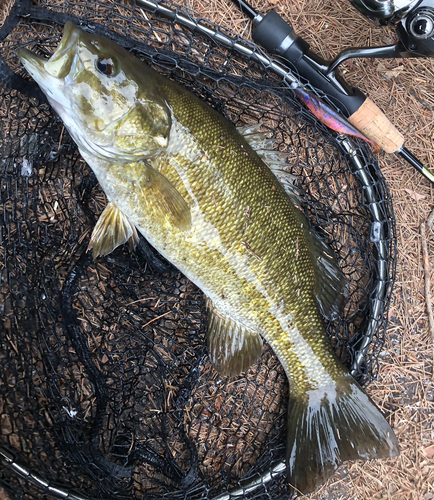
<point>56,76</point>
<point>53,75</point>
<point>59,64</point>
<point>33,63</point>
<point>49,73</point>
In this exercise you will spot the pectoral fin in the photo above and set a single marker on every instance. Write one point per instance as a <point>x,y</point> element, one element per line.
<point>112,230</point>
<point>232,348</point>
<point>162,196</point>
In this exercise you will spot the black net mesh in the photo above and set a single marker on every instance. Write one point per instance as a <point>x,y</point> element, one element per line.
<point>106,390</point>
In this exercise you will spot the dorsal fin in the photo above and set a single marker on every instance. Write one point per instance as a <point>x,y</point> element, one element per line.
<point>276,160</point>
<point>330,280</point>
<point>232,347</point>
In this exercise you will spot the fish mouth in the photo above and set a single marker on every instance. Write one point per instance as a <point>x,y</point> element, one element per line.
<point>59,64</point>
<point>33,63</point>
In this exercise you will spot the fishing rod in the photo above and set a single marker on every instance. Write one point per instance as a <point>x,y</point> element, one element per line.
<point>415,28</point>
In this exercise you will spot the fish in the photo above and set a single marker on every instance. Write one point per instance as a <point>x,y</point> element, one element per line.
<point>200,191</point>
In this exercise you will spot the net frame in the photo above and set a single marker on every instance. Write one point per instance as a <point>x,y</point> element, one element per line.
<point>361,165</point>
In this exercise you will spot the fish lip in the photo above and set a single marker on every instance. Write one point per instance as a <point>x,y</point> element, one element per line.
<point>30,60</point>
<point>69,37</point>
<point>40,66</point>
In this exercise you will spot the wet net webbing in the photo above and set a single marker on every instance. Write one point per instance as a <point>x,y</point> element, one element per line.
<point>106,389</point>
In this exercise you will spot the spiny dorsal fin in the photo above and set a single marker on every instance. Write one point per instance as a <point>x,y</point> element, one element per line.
<point>276,160</point>
<point>330,280</point>
<point>112,230</point>
<point>232,348</point>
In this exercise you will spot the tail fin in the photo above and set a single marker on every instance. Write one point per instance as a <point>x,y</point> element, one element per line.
<point>330,426</point>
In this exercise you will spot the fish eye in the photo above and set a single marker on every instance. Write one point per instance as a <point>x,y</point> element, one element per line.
<point>106,66</point>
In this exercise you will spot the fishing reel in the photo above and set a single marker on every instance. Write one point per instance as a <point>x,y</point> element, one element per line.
<point>414,21</point>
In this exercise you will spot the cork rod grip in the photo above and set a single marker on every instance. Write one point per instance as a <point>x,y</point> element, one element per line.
<point>373,123</point>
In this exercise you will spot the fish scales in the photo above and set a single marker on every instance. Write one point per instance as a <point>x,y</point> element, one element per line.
<point>176,171</point>
<point>257,275</point>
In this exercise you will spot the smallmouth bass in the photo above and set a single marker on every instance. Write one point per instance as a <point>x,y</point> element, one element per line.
<point>179,173</point>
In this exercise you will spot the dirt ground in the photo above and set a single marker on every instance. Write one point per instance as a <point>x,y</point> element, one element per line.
<point>404,89</point>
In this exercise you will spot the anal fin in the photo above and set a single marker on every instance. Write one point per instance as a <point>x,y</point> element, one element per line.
<point>112,230</point>
<point>232,347</point>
